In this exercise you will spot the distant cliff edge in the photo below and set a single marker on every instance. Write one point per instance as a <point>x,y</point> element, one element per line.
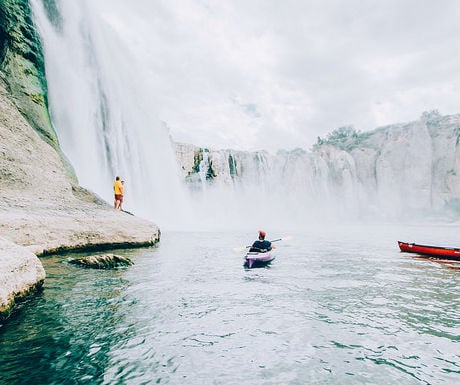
<point>399,171</point>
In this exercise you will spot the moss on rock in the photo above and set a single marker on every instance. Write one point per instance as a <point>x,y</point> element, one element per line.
<point>22,66</point>
<point>22,70</point>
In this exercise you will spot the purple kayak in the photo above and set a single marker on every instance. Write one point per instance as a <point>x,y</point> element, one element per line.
<point>256,259</point>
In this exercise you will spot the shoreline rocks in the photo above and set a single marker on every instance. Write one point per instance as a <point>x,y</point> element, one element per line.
<point>21,273</point>
<point>102,261</point>
<point>44,211</point>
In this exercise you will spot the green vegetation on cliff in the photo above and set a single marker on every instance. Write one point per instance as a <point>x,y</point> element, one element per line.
<point>346,138</point>
<point>22,69</point>
<point>22,66</point>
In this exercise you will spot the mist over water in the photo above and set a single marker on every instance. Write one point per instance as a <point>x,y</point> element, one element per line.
<point>105,108</point>
<point>260,189</point>
<point>103,114</point>
<point>339,304</point>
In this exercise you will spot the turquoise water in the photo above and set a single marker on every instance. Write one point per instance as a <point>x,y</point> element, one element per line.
<point>339,305</point>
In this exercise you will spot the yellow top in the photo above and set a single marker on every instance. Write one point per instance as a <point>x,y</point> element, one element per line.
<point>117,187</point>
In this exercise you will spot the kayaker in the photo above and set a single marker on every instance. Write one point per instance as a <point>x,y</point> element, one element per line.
<point>261,245</point>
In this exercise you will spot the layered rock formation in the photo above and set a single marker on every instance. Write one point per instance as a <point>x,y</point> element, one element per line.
<point>44,211</point>
<point>42,208</point>
<point>396,171</point>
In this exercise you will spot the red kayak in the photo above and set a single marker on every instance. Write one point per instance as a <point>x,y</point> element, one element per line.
<point>432,251</point>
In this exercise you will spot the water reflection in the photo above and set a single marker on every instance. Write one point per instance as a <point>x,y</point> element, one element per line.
<point>70,330</point>
<point>333,312</point>
<point>449,264</point>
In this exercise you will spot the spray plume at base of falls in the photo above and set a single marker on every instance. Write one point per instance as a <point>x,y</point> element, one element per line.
<point>107,124</point>
<point>102,112</point>
<point>403,172</point>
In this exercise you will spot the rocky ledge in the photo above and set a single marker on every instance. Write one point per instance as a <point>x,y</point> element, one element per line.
<point>102,261</point>
<point>43,210</point>
<point>20,273</point>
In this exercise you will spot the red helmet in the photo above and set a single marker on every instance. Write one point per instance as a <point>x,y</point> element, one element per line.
<point>262,233</point>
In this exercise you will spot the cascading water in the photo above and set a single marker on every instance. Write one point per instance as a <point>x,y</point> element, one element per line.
<point>260,189</point>
<point>107,125</point>
<point>103,111</point>
<point>103,102</point>
<point>203,169</point>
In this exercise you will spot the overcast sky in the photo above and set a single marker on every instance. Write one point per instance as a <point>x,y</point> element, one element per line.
<point>252,74</point>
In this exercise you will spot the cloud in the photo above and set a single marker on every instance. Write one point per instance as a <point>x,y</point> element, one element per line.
<point>269,74</point>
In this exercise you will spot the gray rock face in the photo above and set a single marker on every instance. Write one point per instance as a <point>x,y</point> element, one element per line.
<point>46,211</point>
<point>393,171</point>
<point>43,210</point>
<point>20,273</point>
<point>102,261</point>
<point>22,66</point>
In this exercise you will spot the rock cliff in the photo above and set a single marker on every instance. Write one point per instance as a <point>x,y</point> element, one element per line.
<point>22,66</point>
<point>397,171</point>
<point>42,208</point>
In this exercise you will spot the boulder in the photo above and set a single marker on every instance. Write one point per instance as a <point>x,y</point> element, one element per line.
<point>102,261</point>
<point>21,274</point>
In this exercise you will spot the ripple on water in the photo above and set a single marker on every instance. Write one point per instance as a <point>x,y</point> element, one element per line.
<point>350,310</point>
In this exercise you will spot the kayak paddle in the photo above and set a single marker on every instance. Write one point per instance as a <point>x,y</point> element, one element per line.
<point>240,249</point>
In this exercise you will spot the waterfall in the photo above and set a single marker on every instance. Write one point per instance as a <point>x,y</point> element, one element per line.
<point>105,105</point>
<point>103,111</point>
<point>204,168</point>
<point>255,190</point>
<point>101,104</point>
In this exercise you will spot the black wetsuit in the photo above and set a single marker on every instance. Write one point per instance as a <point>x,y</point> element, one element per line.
<point>261,246</point>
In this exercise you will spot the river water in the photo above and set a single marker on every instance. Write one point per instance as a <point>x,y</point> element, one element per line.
<point>339,305</point>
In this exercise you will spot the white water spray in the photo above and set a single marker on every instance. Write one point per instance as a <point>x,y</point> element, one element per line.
<point>101,105</point>
<point>103,112</point>
<point>105,107</point>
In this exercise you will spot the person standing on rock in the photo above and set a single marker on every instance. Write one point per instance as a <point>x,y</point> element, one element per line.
<point>122,195</point>
<point>118,191</point>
